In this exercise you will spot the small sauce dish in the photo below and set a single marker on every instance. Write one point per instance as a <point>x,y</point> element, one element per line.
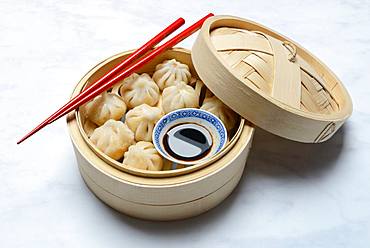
<point>189,136</point>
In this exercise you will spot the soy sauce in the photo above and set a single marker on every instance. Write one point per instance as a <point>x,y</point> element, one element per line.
<point>188,142</point>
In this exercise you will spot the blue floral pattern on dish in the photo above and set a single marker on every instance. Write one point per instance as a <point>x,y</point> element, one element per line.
<point>190,113</point>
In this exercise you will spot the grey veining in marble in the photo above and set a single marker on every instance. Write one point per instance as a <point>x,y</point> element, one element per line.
<point>291,194</point>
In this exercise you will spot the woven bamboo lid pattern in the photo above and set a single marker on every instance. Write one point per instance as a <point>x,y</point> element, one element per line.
<point>270,80</point>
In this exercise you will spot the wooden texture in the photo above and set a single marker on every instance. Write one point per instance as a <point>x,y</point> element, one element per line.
<point>286,86</point>
<point>163,212</point>
<point>270,80</point>
<point>159,198</point>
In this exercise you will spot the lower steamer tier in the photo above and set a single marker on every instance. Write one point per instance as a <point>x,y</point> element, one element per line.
<point>163,212</point>
<point>167,198</point>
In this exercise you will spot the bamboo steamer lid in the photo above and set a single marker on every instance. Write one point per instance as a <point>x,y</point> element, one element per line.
<point>270,80</point>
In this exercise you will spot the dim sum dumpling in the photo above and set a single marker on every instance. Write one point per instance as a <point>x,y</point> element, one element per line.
<point>170,71</point>
<point>179,96</point>
<point>218,108</point>
<point>143,156</point>
<point>104,107</point>
<point>200,89</point>
<point>141,121</point>
<point>139,89</point>
<point>89,127</point>
<point>159,103</point>
<point>113,138</point>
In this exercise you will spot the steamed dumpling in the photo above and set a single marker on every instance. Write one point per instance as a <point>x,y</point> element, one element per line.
<point>218,108</point>
<point>139,89</point>
<point>170,71</point>
<point>159,104</point>
<point>116,88</point>
<point>179,96</point>
<point>200,89</point>
<point>113,138</point>
<point>89,127</point>
<point>141,121</point>
<point>143,156</point>
<point>104,107</point>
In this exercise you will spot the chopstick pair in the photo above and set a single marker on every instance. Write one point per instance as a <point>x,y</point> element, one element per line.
<point>102,84</point>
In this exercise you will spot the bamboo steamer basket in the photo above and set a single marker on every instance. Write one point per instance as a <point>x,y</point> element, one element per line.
<point>265,77</point>
<point>164,195</point>
<point>270,80</point>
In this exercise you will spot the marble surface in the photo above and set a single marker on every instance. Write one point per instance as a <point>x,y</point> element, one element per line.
<point>291,194</point>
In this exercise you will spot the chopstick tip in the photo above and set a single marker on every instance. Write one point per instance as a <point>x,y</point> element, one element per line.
<point>23,139</point>
<point>35,130</point>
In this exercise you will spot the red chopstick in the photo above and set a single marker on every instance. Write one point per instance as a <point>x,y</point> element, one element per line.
<point>136,54</point>
<point>129,60</point>
<point>89,94</point>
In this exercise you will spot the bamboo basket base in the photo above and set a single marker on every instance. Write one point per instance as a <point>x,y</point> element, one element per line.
<point>163,212</point>
<point>165,195</point>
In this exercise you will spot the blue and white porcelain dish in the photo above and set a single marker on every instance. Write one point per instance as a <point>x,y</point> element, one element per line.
<point>190,115</point>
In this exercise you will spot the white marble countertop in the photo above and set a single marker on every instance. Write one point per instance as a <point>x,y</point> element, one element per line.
<point>291,195</point>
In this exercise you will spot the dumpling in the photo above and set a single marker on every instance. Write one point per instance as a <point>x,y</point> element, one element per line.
<point>113,138</point>
<point>143,156</point>
<point>170,71</point>
<point>104,107</point>
<point>141,121</point>
<point>179,96</point>
<point>159,104</point>
<point>89,127</point>
<point>116,88</point>
<point>218,108</point>
<point>139,89</point>
<point>200,89</point>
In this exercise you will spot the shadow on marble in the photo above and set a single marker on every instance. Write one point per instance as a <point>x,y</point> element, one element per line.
<point>281,158</point>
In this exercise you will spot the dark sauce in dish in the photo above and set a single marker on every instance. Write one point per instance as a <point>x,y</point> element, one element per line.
<point>188,142</point>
